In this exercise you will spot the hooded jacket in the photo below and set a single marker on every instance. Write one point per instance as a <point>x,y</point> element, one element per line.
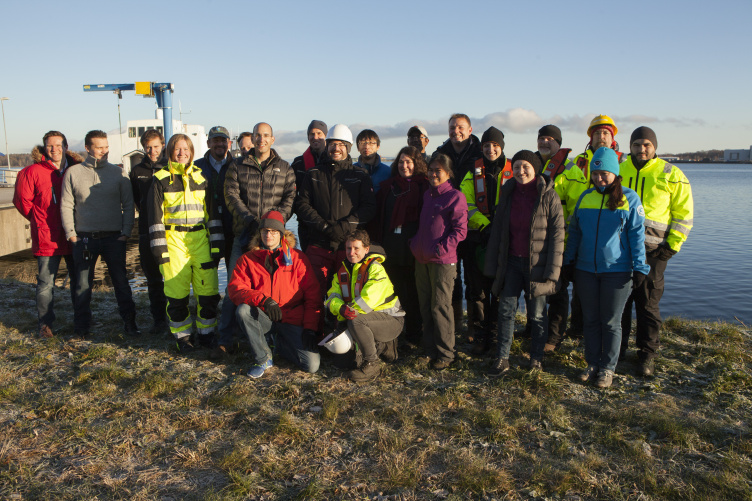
<point>141,177</point>
<point>285,275</point>
<point>443,225</point>
<point>37,197</point>
<point>546,239</point>
<point>253,189</point>
<point>334,193</point>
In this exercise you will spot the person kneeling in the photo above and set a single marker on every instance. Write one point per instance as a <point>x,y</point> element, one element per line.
<point>362,296</point>
<point>277,295</point>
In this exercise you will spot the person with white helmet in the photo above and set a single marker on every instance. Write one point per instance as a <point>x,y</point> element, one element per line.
<point>362,297</point>
<point>334,199</point>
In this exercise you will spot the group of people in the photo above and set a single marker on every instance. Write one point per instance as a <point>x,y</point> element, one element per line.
<point>383,250</point>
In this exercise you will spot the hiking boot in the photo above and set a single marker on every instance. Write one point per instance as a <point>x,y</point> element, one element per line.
<point>258,370</point>
<point>646,367</point>
<point>536,364</point>
<point>45,332</point>
<point>184,345</point>
<point>589,373</point>
<point>440,365</point>
<point>499,367</point>
<point>219,352</point>
<point>130,328</point>
<point>605,378</point>
<point>368,371</point>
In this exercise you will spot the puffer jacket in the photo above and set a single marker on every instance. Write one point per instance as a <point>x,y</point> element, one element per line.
<point>334,193</point>
<point>377,293</point>
<point>442,226</point>
<point>546,239</point>
<point>37,197</point>
<point>285,275</point>
<point>251,190</point>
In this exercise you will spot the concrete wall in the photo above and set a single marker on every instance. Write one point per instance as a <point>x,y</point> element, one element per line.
<point>15,231</point>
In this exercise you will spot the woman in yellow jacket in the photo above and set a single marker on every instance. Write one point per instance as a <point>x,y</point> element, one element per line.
<point>363,296</point>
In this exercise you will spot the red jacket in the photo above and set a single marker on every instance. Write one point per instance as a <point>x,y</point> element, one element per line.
<point>34,199</point>
<point>293,285</point>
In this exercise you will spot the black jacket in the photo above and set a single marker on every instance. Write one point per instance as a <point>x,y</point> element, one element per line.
<point>334,194</point>
<point>464,161</point>
<point>216,188</point>
<point>141,177</point>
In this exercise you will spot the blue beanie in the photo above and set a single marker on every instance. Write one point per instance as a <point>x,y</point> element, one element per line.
<point>605,159</point>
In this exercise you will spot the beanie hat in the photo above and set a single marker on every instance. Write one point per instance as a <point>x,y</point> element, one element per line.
<point>528,156</point>
<point>609,128</point>
<point>644,133</point>
<point>605,159</point>
<point>317,124</point>
<point>550,131</point>
<point>493,135</point>
<point>273,220</point>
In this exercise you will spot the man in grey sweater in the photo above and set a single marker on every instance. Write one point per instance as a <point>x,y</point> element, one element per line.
<point>98,214</point>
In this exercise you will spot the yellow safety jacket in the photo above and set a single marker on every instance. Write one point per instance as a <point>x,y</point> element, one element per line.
<point>477,219</point>
<point>569,181</point>
<point>367,286</point>
<point>583,161</point>
<point>666,197</point>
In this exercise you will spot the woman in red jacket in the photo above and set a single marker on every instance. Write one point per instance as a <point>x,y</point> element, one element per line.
<point>278,298</point>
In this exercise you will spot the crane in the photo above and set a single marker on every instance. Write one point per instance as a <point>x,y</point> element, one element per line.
<point>161,91</point>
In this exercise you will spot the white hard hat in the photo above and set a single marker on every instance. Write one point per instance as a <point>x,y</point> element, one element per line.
<point>338,342</point>
<point>340,132</point>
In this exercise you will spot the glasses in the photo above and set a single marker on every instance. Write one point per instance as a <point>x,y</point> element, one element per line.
<point>417,137</point>
<point>367,143</point>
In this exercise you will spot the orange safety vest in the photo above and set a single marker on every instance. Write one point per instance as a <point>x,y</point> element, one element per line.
<point>479,184</point>
<point>344,280</point>
<point>556,163</point>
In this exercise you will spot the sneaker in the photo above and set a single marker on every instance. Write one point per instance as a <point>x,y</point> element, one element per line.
<point>368,371</point>
<point>499,367</point>
<point>440,365</point>
<point>536,364</point>
<point>258,370</point>
<point>605,378</point>
<point>184,345</point>
<point>219,352</point>
<point>588,373</point>
<point>646,367</point>
<point>45,332</point>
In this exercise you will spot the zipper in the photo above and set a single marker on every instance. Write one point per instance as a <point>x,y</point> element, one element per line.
<point>597,227</point>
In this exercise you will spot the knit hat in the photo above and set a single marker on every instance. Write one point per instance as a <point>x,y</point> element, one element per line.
<point>493,135</point>
<point>317,124</point>
<point>273,220</point>
<point>551,131</point>
<point>528,156</point>
<point>644,133</point>
<point>609,128</point>
<point>605,159</point>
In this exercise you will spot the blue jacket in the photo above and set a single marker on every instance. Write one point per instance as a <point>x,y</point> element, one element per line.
<point>379,172</point>
<point>606,241</point>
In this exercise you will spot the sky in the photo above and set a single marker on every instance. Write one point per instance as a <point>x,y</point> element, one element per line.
<point>682,68</point>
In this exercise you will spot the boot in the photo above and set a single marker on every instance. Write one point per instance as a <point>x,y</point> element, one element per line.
<point>130,328</point>
<point>368,371</point>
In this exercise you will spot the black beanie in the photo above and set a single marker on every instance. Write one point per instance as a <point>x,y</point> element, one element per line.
<point>493,134</point>
<point>644,133</point>
<point>528,156</point>
<point>551,131</point>
<point>317,124</point>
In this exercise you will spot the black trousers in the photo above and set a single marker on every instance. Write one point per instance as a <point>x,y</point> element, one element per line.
<point>558,310</point>
<point>646,300</point>
<point>154,281</point>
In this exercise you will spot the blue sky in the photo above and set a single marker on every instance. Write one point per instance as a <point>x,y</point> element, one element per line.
<point>683,68</point>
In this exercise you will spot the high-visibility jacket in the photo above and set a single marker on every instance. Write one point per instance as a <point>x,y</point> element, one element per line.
<point>667,198</point>
<point>569,181</point>
<point>478,179</point>
<point>583,161</point>
<point>367,286</point>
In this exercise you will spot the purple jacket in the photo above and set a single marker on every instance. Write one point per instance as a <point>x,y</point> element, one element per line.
<point>442,226</point>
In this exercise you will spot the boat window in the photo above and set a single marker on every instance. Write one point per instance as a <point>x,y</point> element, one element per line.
<point>131,132</point>
<point>141,131</point>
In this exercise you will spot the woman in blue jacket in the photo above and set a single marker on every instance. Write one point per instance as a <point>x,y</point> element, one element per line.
<point>605,252</point>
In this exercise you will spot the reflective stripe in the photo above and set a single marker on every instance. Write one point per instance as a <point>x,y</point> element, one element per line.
<point>179,325</point>
<point>156,242</point>
<point>185,220</point>
<point>216,236</point>
<point>331,297</point>
<point>214,223</point>
<point>156,227</point>
<point>471,213</point>
<point>363,305</point>
<point>649,223</point>
<point>184,208</point>
<point>680,228</point>
<point>205,330</point>
<point>650,239</point>
<point>395,311</point>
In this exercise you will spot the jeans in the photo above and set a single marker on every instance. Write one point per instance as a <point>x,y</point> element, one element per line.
<point>154,279</point>
<point>517,279</point>
<point>287,340</point>
<point>47,267</point>
<point>603,296</point>
<point>435,283</point>
<point>112,251</point>
<point>227,316</point>
<point>646,300</point>
<point>558,310</point>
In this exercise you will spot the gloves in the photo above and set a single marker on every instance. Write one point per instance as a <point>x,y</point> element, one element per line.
<point>348,312</point>
<point>663,252</point>
<point>567,273</point>
<point>638,279</point>
<point>272,310</point>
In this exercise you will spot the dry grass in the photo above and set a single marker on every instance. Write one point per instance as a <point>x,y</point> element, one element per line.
<point>109,418</point>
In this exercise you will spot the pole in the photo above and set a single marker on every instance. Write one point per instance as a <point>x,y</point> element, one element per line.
<point>5,129</point>
<point>163,93</point>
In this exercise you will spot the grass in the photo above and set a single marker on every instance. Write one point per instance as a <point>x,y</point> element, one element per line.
<point>112,418</point>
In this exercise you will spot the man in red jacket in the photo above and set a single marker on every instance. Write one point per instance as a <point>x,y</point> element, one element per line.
<point>278,298</point>
<point>37,198</point>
